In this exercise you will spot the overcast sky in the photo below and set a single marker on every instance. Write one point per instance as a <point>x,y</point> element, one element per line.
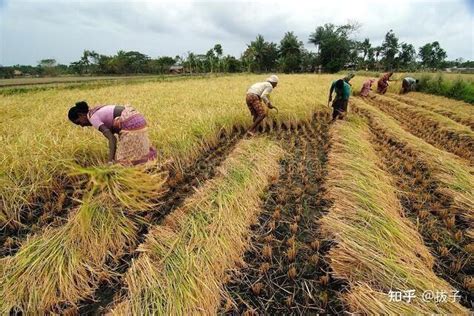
<point>36,29</point>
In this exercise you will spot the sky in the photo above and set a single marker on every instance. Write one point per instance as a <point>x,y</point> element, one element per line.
<point>31,30</point>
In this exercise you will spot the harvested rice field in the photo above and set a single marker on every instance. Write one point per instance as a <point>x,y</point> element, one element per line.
<point>371,214</point>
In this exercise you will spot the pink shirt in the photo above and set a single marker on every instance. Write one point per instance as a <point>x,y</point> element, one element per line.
<point>102,116</point>
<point>366,87</point>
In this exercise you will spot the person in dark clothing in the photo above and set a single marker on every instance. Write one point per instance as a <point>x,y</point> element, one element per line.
<point>343,91</point>
<point>408,84</point>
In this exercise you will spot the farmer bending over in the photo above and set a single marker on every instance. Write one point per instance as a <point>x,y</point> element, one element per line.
<point>382,84</point>
<point>255,94</point>
<point>343,91</point>
<point>408,84</point>
<point>348,78</point>
<point>366,87</point>
<point>133,145</point>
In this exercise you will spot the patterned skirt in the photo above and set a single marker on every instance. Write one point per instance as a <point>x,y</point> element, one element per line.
<point>255,105</point>
<point>133,146</point>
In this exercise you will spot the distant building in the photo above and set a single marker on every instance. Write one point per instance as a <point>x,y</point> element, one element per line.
<point>176,69</point>
<point>460,70</point>
<point>17,73</point>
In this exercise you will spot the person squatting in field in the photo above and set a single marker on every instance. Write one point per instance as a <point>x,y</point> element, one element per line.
<point>133,145</point>
<point>343,91</point>
<point>408,84</point>
<point>255,94</point>
<point>382,84</point>
<point>366,87</point>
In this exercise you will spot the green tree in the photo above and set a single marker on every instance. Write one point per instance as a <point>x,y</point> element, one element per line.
<point>219,52</point>
<point>160,65</point>
<point>407,57</point>
<point>334,45</point>
<point>48,67</point>
<point>260,56</point>
<point>365,47</point>
<point>389,51</point>
<point>309,61</point>
<point>231,64</point>
<point>354,60</point>
<point>191,62</point>
<point>129,63</point>
<point>432,55</point>
<point>103,64</point>
<point>211,60</point>
<point>88,63</point>
<point>290,53</point>
<point>371,60</point>
<point>378,54</point>
<point>7,72</point>
<point>47,63</point>
<point>201,63</point>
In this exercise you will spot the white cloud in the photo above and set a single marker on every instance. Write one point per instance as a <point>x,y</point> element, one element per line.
<point>33,30</point>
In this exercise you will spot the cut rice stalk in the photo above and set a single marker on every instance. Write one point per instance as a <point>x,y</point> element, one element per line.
<point>182,265</point>
<point>456,177</point>
<point>376,245</point>
<point>63,265</point>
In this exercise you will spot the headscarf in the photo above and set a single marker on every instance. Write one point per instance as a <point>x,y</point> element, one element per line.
<point>273,78</point>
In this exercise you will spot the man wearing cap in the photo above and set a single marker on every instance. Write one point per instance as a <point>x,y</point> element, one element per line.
<point>255,94</point>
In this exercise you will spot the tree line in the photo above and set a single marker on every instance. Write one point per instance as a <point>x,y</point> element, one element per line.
<point>335,50</point>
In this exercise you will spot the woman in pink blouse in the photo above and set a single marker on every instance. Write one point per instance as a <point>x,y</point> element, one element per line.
<point>366,87</point>
<point>133,145</point>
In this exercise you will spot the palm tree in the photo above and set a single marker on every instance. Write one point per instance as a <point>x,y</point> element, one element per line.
<point>365,47</point>
<point>210,57</point>
<point>191,61</point>
<point>290,52</point>
<point>255,53</point>
<point>378,51</point>
<point>218,51</point>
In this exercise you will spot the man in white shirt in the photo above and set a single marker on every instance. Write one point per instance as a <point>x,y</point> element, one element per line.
<point>255,94</point>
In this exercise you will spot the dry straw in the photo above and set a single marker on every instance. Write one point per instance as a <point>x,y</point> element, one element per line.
<point>443,102</point>
<point>183,261</point>
<point>64,265</point>
<point>453,173</point>
<point>377,248</point>
<point>184,119</point>
<point>434,127</point>
<point>459,114</point>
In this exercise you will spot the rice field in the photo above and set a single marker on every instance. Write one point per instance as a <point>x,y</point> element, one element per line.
<point>306,217</point>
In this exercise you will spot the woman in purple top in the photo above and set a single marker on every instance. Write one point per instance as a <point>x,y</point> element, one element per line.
<point>133,145</point>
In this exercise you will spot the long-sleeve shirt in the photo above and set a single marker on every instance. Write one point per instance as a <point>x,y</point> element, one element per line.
<point>262,89</point>
<point>343,93</point>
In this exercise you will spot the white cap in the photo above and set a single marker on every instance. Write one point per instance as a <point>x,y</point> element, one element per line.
<point>273,78</point>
